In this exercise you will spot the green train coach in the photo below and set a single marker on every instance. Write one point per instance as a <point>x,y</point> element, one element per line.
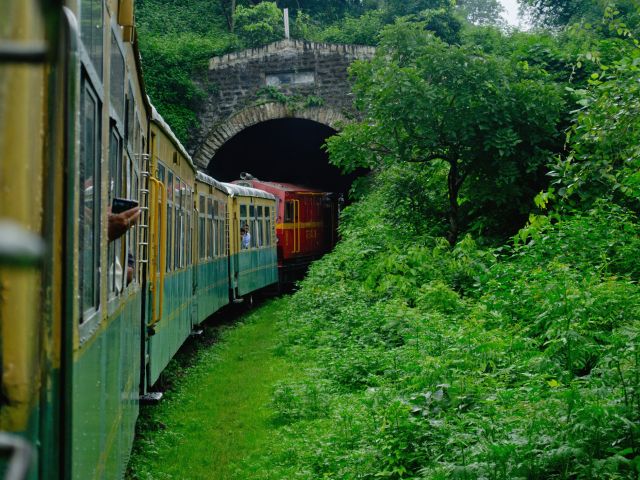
<point>95,303</point>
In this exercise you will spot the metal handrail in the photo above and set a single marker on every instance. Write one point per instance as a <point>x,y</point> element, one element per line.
<point>159,249</point>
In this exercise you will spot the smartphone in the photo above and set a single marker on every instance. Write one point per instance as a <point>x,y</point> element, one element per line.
<point>119,205</point>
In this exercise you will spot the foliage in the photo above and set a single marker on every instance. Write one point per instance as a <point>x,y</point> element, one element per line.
<point>555,13</point>
<point>481,12</point>
<point>163,17</point>
<point>260,24</point>
<point>425,358</point>
<point>605,137</point>
<point>465,363</point>
<point>292,102</point>
<point>170,64</point>
<point>363,30</point>
<point>176,42</point>
<point>491,120</point>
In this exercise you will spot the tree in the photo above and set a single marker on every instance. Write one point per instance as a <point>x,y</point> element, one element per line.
<point>259,25</point>
<point>228,8</point>
<point>557,13</point>
<point>493,122</point>
<point>481,12</point>
<point>604,162</point>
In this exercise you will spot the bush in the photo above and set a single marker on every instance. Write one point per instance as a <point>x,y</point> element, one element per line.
<point>260,24</point>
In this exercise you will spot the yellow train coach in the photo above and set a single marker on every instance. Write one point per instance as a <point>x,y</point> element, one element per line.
<point>113,248</point>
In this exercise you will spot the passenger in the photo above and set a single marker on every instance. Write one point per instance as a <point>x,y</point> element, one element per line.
<point>246,237</point>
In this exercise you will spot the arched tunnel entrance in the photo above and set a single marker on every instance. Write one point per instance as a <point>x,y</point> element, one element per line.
<point>282,150</point>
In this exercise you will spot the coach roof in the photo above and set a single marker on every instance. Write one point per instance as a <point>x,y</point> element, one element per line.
<point>239,191</point>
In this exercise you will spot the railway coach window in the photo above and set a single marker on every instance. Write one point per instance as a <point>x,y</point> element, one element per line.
<point>267,221</point>
<point>216,227</point>
<point>177,200</point>
<point>183,223</point>
<point>253,226</point>
<point>169,218</point>
<point>161,177</point>
<point>221,232</point>
<point>288,212</point>
<point>210,230</point>
<point>201,229</point>
<point>89,199</point>
<point>189,208</point>
<point>117,79</point>
<point>91,29</point>
<point>116,264</point>
<point>133,183</point>
<point>221,229</point>
<point>244,222</point>
<point>260,227</point>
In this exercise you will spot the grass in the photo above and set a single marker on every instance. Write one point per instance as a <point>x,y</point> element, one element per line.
<point>217,412</point>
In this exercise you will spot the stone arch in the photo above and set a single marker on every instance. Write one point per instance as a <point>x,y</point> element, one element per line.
<point>255,114</point>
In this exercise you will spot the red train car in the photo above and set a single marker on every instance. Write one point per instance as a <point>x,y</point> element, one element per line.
<point>306,223</point>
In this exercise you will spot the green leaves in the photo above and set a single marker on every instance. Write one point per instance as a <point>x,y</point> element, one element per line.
<point>494,122</point>
<point>604,139</point>
<point>259,24</point>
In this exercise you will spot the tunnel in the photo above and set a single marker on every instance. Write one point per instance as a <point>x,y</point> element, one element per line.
<point>285,150</point>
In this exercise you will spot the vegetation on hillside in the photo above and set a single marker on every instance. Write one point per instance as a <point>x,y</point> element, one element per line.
<point>177,38</point>
<point>462,361</point>
<point>480,318</point>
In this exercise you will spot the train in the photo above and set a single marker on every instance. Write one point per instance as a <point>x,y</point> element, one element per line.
<point>306,223</point>
<point>94,303</point>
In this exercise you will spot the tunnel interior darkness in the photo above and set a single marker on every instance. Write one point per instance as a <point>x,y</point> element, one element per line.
<point>283,150</point>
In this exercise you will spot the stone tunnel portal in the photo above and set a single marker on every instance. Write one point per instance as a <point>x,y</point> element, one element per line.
<point>282,150</point>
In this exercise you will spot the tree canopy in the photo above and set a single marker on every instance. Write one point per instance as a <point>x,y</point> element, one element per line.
<point>492,121</point>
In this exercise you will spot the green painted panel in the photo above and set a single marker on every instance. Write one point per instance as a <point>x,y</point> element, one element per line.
<point>175,325</point>
<point>257,268</point>
<point>212,287</point>
<point>105,395</point>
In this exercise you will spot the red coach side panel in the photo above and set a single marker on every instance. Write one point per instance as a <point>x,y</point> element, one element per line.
<point>306,222</point>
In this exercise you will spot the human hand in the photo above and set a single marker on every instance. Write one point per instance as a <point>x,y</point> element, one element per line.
<point>119,223</point>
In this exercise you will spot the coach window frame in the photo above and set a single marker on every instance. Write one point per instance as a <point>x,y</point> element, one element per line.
<point>88,90</point>
<point>288,211</point>
<point>202,227</point>
<point>160,175</point>
<point>133,180</point>
<point>95,31</point>
<point>177,200</point>
<point>260,225</point>
<point>118,82</point>
<point>252,224</point>
<point>267,218</point>
<point>169,227</point>
<point>189,240</point>
<point>115,176</point>
<point>91,76</point>
<point>210,229</point>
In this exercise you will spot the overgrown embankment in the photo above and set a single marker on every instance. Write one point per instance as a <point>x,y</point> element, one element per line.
<point>400,357</point>
<point>469,362</point>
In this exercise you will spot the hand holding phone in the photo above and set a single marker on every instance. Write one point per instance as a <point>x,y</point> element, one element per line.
<point>119,205</point>
<point>124,214</point>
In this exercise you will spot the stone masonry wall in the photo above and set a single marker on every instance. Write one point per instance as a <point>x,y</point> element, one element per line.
<point>321,70</point>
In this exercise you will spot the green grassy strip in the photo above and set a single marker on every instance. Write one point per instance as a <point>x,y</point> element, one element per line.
<point>218,413</point>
